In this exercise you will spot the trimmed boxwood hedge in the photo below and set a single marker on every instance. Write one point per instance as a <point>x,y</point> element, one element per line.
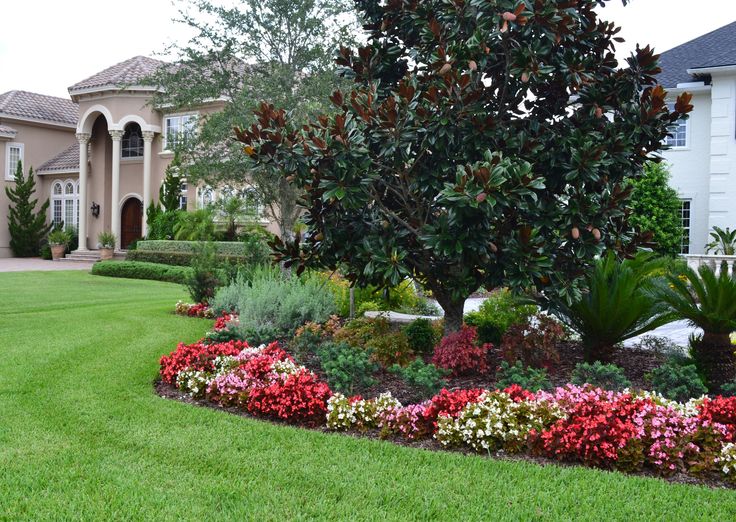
<point>180,258</point>
<point>224,248</point>
<point>138,270</point>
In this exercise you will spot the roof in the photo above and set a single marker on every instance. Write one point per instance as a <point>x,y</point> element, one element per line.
<point>29,105</point>
<point>66,161</point>
<point>6,131</point>
<point>129,72</point>
<point>715,49</point>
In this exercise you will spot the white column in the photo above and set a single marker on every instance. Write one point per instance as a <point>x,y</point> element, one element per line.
<point>116,135</point>
<point>83,138</point>
<point>147,139</point>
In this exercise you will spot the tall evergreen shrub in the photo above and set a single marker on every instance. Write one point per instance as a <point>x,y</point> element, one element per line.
<point>27,226</point>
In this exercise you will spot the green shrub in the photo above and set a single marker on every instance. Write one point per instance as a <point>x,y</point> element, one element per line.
<point>496,314</point>
<point>347,369</point>
<point>421,335</point>
<point>729,389</point>
<point>427,378</point>
<point>369,306</point>
<point>391,349</point>
<point>229,248</point>
<point>161,223</point>
<point>531,379</point>
<point>184,258</point>
<point>306,343</point>
<point>198,225</point>
<point>272,304</point>
<point>606,376</point>
<point>359,332</point>
<point>204,279</point>
<point>677,381</point>
<point>137,270</point>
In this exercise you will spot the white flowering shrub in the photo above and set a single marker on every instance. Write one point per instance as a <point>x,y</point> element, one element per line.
<point>194,382</point>
<point>344,413</point>
<point>497,422</point>
<point>727,460</point>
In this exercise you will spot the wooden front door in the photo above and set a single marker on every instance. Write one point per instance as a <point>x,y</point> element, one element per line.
<point>131,222</point>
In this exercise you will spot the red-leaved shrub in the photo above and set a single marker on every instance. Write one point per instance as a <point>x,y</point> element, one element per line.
<point>300,397</point>
<point>460,353</point>
<point>196,356</point>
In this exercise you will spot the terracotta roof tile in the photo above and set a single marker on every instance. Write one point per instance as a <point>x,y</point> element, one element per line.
<point>67,160</point>
<point>24,104</point>
<point>128,72</point>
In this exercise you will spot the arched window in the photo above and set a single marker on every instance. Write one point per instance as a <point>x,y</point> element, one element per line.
<point>206,197</point>
<point>253,204</point>
<point>65,204</point>
<point>132,144</point>
<point>56,203</point>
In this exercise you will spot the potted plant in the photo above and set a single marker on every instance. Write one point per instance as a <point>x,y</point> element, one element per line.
<point>58,241</point>
<point>106,245</point>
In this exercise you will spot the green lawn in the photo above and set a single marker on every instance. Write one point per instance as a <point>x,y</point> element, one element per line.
<point>83,436</point>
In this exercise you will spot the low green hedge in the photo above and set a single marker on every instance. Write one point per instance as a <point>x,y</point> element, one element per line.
<point>224,248</point>
<point>180,258</point>
<point>139,270</point>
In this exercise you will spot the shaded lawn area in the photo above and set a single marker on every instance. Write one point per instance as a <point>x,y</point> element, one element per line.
<point>83,436</point>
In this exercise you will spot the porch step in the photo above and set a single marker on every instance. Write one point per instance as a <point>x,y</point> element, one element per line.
<point>90,256</point>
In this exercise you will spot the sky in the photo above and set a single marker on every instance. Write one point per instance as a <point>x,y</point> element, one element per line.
<point>48,45</point>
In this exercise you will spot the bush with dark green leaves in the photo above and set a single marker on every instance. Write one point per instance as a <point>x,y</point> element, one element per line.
<point>426,378</point>
<point>204,278</point>
<point>421,335</point>
<point>606,376</point>
<point>529,378</point>
<point>138,270</point>
<point>677,381</point>
<point>347,369</point>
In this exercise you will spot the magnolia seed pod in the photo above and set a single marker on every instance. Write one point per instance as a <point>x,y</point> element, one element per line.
<point>480,198</point>
<point>525,77</point>
<point>472,65</point>
<point>493,247</point>
<point>597,234</point>
<point>509,16</point>
<point>598,112</point>
<point>575,233</point>
<point>445,68</point>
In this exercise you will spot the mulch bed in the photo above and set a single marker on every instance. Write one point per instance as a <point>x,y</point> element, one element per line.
<point>168,391</point>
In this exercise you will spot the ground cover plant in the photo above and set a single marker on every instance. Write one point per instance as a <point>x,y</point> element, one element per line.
<point>627,430</point>
<point>80,423</point>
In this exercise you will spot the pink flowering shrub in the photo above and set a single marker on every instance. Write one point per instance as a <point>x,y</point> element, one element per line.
<point>408,421</point>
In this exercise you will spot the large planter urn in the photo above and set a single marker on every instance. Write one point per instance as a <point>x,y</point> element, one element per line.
<point>57,251</point>
<point>106,253</point>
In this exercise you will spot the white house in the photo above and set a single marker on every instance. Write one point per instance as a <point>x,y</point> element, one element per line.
<point>702,156</point>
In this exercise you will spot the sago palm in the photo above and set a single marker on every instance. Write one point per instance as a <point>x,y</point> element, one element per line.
<point>724,242</point>
<point>618,304</point>
<point>707,301</point>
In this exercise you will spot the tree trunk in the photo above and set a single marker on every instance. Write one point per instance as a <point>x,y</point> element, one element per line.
<point>453,309</point>
<point>715,356</point>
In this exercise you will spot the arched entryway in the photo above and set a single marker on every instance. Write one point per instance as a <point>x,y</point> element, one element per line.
<point>131,222</point>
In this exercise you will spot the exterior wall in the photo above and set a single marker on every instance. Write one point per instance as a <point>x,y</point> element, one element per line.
<point>690,171</point>
<point>723,152</point>
<point>40,143</point>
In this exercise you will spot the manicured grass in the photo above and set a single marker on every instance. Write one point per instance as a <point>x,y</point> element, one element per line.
<point>83,436</point>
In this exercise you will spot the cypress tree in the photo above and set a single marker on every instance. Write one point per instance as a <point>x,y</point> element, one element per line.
<point>27,227</point>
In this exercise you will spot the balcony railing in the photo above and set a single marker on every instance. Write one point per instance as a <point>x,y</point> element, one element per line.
<point>714,261</point>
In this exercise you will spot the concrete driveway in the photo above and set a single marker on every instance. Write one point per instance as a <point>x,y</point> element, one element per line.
<point>27,264</point>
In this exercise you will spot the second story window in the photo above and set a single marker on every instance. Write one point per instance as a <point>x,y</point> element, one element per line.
<point>177,128</point>
<point>132,144</point>
<point>13,154</point>
<point>677,137</point>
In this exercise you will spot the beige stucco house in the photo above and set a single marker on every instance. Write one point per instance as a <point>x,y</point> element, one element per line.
<point>100,156</point>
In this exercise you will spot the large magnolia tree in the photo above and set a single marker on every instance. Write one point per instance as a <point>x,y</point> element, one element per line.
<point>485,143</point>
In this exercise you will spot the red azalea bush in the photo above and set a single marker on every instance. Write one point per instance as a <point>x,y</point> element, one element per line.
<point>460,353</point>
<point>721,411</point>
<point>222,321</point>
<point>196,356</point>
<point>594,431</point>
<point>450,403</point>
<point>300,397</point>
